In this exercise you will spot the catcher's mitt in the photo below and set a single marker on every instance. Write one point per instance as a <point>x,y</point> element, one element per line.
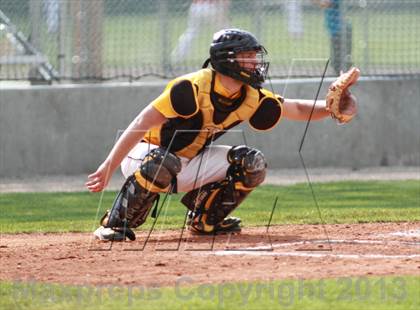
<point>340,102</point>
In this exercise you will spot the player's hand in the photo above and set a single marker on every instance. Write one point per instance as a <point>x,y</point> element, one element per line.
<point>98,180</point>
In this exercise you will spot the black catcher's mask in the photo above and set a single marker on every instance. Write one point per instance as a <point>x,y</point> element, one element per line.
<point>226,44</point>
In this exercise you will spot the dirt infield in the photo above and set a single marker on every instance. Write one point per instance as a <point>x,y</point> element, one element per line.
<point>288,251</point>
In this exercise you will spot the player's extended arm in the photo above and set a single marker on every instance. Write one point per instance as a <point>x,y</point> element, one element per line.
<point>300,109</point>
<point>339,103</point>
<point>147,119</point>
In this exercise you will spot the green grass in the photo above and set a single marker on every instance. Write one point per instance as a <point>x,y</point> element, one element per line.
<point>375,42</point>
<point>366,293</point>
<point>382,38</point>
<point>139,40</point>
<point>339,202</point>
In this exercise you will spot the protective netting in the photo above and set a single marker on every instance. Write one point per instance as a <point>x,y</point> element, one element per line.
<point>130,39</point>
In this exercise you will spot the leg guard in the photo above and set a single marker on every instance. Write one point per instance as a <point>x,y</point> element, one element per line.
<point>210,204</point>
<point>135,199</point>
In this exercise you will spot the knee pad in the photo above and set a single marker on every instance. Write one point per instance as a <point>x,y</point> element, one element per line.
<point>158,170</point>
<point>136,197</point>
<point>248,166</point>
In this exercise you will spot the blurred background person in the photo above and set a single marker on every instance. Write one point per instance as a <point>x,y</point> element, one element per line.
<point>52,13</point>
<point>203,15</point>
<point>340,33</point>
<point>293,10</point>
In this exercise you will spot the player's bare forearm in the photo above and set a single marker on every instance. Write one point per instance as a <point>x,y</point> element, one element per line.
<point>300,109</point>
<point>147,119</point>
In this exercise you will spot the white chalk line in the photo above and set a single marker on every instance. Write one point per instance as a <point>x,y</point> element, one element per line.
<point>316,255</point>
<point>409,233</point>
<point>334,241</point>
<point>267,250</point>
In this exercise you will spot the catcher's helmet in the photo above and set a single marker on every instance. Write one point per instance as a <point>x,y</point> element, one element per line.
<point>226,44</point>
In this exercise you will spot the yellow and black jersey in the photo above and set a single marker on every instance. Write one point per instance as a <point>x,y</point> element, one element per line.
<point>198,112</point>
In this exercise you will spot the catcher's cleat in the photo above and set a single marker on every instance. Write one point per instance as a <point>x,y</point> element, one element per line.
<point>227,226</point>
<point>114,234</point>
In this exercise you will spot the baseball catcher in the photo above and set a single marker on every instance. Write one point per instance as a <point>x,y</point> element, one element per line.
<point>169,146</point>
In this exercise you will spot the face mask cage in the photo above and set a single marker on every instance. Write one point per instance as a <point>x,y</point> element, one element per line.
<point>258,62</point>
<point>254,68</point>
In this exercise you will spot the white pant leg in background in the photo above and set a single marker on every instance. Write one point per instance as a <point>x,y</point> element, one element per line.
<point>294,18</point>
<point>194,25</point>
<point>208,167</point>
<point>202,14</point>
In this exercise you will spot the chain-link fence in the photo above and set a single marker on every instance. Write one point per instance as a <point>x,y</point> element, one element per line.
<point>111,39</point>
